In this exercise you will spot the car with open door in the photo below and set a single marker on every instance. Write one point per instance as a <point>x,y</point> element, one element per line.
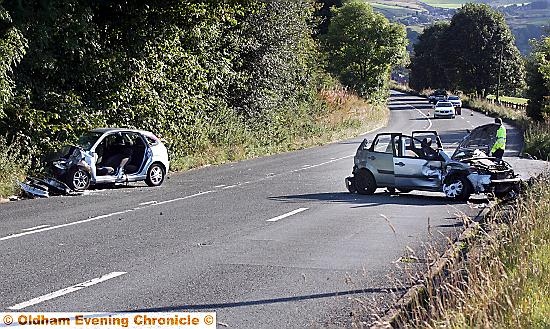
<point>404,163</point>
<point>110,156</point>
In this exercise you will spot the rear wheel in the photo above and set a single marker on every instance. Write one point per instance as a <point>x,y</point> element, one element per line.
<point>365,183</point>
<point>78,179</point>
<point>457,188</point>
<point>155,175</point>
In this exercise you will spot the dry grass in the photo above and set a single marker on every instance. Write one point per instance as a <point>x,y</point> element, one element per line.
<point>504,280</point>
<point>13,167</point>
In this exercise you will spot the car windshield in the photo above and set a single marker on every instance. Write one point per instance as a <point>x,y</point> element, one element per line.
<point>89,138</point>
<point>444,104</point>
<point>453,98</point>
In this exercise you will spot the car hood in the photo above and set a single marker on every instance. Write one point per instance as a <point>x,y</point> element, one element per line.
<point>481,138</point>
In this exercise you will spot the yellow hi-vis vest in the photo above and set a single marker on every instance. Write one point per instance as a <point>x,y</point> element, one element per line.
<point>500,143</point>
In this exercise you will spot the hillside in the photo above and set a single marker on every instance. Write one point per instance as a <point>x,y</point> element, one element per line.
<point>527,20</point>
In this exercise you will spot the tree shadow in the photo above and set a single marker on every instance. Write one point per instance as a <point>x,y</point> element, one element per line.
<point>217,306</point>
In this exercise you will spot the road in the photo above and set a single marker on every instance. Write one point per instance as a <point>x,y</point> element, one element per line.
<point>273,242</point>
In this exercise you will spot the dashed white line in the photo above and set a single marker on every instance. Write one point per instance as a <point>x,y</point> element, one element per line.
<point>218,186</point>
<point>34,228</point>
<point>294,212</point>
<point>18,235</point>
<point>65,291</point>
<point>147,203</point>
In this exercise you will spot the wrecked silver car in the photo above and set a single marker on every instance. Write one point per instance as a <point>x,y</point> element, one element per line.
<point>110,156</point>
<point>418,162</point>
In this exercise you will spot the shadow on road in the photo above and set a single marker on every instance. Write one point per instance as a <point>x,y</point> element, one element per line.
<point>377,199</point>
<point>268,301</point>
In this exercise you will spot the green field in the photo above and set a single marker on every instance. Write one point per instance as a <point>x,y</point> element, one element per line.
<point>448,4</point>
<point>513,100</point>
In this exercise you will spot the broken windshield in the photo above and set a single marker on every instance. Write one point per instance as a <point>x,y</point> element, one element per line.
<point>88,140</point>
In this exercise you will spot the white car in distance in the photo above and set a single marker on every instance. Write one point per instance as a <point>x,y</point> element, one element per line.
<point>444,109</point>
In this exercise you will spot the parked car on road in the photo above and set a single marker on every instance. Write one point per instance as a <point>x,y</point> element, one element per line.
<point>444,109</point>
<point>417,162</point>
<point>457,103</point>
<point>112,155</point>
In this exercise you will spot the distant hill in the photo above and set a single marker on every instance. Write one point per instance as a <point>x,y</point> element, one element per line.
<point>527,20</point>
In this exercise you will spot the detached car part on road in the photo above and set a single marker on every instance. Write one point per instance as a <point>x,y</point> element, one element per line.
<point>112,155</point>
<point>407,163</point>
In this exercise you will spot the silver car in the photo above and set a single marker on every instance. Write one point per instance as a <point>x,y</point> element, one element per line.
<point>418,162</point>
<point>110,156</point>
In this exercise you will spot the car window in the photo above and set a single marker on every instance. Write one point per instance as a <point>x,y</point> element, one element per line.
<point>382,144</point>
<point>444,104</point>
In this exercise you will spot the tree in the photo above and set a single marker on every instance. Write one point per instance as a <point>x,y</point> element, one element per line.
<point>479,44</point>
<point>538,80</point>
<point>363,46</point>
<point>428,65</point>
<point>325,14</point>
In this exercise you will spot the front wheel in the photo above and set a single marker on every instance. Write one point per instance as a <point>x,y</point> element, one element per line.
<point>365,183</point>
<point>78,179</point>
<point>457,188</point>
<point>155,175</point>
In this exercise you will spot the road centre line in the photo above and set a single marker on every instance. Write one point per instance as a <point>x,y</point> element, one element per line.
<point>294,212</point>
<point>34,228</point>
<point>147,203</point>
<point>66,291</point>
<point>101,217</point>
<point>324,163</point>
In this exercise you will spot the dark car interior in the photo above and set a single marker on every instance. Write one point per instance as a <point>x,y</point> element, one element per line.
<point>120,150</point>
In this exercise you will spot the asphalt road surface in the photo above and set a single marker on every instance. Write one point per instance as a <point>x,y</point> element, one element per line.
<point>274,242</point>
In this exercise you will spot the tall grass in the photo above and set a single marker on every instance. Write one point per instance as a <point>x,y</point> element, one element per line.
<point>537,140</point>
<point>13,167</point>
<point>504,281</point>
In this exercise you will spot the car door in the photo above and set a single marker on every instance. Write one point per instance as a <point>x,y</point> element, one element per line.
<point>380,159</point>
<point>414,170</point>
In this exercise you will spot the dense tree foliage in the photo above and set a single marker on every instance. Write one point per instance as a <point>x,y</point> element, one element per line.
<point>471,51</point>
<point>324,13</point>
<point>192,71</point>
<point>538,80</point>
<point>427,65</point>
<point>363,46</point>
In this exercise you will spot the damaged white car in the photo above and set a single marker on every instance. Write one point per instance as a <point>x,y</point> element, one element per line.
<point>418,162</point>
<point>112,155</point>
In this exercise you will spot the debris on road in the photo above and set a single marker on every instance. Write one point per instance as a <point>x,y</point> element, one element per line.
<point>43,188</point>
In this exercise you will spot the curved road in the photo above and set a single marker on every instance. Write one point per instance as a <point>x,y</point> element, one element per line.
<point>273,242</point>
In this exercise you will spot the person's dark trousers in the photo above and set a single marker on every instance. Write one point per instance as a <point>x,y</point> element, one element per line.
<point>498,154</point>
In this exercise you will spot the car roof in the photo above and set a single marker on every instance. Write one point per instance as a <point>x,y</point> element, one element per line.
<point>115,130</point>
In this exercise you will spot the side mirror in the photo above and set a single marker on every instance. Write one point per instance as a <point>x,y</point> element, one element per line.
<point>468,131</point>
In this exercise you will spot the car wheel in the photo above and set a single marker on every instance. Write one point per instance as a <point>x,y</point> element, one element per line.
<point>78,179</point>
<point>155,175</point>
<point>457,188</point>
<point>365,183</point>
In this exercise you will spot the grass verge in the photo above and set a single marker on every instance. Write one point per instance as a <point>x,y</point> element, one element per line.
<point>503,282</point>
<point>13,167</point>
<point>345,115</point>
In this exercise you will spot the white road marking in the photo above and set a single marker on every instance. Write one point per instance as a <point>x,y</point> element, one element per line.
<point>324,163</point>
<point>230,186</point>
<point>100,217</point>
<point>294,212</point>
<point>65,291</point>
<point>34,228</point>
<point>218,186</point>
<point>147,203</point>
<point>422,113</point>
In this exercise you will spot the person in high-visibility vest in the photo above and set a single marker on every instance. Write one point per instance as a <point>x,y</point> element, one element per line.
<point>500,144</point>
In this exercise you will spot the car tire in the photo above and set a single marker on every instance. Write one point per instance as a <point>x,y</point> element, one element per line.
<point>78,179</point>
<point>155,175</point>
<point>457,188</point>
<point>365,183</point>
